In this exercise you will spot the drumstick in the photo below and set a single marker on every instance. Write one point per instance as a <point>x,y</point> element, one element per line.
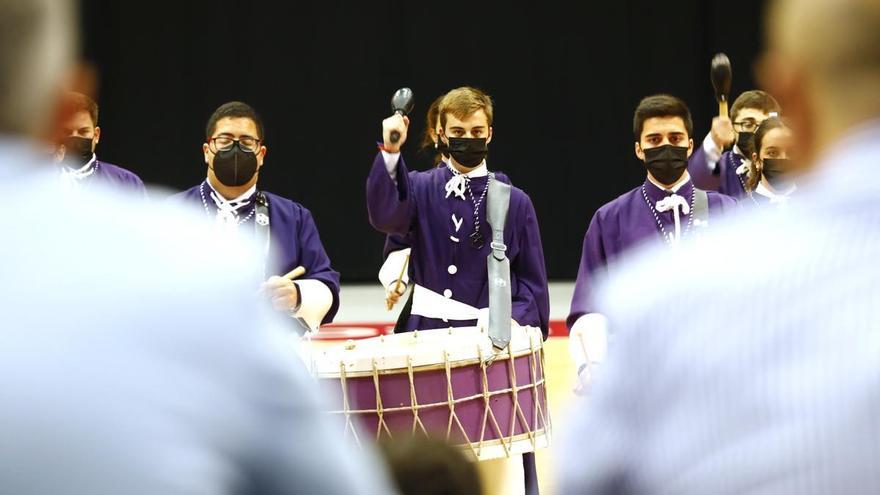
<point>721,76</point>
<point>399,281</point>
<point>295,273</point>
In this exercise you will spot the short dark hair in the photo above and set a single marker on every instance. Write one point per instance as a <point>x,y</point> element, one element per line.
<point>82,103</point>
<point>661,106</point>
<point>757,99</point>
<point>234,110</point>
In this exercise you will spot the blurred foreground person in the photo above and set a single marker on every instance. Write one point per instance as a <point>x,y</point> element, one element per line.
<point>151,372</point>
<point>424,466</point>
<point>763,377</point>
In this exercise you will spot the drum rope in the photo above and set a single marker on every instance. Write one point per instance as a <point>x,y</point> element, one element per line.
<point>489,412</point>
<point>348,424</point>
<point>380,411</point>
<point>413,400</point>
<point>450,399</point>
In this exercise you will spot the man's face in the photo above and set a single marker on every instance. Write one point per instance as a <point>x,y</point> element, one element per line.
<point>659,131</point>
<point>80,125</point>
<point>237,128</point>
<point>748,119</point>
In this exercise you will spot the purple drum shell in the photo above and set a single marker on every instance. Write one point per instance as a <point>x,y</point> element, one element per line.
<point>431,388</point>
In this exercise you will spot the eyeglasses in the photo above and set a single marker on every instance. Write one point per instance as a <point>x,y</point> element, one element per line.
<point>747,125</point>
<point>222,143</point>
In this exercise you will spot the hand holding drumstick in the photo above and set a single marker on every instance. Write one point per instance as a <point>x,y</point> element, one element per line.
<point>283,293</point>
<point>392,294</point>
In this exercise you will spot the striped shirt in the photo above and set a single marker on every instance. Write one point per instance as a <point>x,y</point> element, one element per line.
<point>754,366</point>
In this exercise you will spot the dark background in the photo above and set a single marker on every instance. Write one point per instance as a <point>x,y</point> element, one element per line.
<point>565,77</point>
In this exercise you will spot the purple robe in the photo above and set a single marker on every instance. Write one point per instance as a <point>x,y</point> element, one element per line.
<point>394,242</point>
<point>628,222</point>
<point>417,206</point>
<point>115,177</point>
<point>295,240</point>
<point>724,178</point>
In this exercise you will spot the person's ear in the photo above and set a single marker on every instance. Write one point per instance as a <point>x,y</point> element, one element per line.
<point>206,150</point>
<point>755,159</point>
<point>690,146</point>
<point>639,152</point>
<point>489,137</point>
<point>97,138</point>
<point>261,155</point>
<point>441,134</point>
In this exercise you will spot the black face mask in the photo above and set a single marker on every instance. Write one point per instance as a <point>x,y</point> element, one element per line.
<point>469,152</point>
<point>78,151</point>
<point>666,163</point>
<point>744,141</point>
<point>776,171</point>
<point>234,166</point>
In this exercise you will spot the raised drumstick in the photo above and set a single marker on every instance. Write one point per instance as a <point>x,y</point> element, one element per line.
<point>721,76</point>
<point>295,273</point>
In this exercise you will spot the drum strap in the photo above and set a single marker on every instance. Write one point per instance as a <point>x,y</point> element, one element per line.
<point>500,310</point>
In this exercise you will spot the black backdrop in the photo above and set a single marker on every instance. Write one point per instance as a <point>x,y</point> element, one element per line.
<point>565,77</point>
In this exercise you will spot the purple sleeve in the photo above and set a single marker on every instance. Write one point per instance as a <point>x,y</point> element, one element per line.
<point>391,206</point>
<point>698,168</point>
<point>314,257</point>
<point>531,298</point>
<point>593,258</point>
<point>395,243</point>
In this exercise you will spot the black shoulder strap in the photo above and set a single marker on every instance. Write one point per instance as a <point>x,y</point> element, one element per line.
<point>261,225</point>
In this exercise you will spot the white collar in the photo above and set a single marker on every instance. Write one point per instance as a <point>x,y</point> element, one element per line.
<point>81,172</point>
<point>773,196</point>
<point>480,170</point>
<point>240,199</point>
<point>675,187</point>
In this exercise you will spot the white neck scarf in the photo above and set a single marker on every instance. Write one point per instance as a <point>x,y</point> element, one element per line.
<point>458,183</point>
<point>227,209</point>
<point>679,206</point>
<point>70,177</point>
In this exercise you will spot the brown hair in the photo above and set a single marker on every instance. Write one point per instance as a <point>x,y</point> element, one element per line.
<point>756,99</point>
<point>661,105</point>
<point>82,103</point>
<point>428,138</point>
<point>765,127</point>
<point>464,101</point>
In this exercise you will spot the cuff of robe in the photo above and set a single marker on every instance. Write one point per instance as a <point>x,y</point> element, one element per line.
<point>588,339</point>
<point>392,268</point>
<point>391,160</point>
<point>713,154</point>
<point>315,301</point>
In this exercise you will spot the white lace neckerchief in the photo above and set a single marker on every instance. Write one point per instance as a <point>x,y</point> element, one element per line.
<point>457,184</point>
<point>679,206</point>
<point>71,177</point>
<point>227,209</point>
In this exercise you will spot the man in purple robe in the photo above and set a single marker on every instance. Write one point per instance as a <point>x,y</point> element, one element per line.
<point>443,211</point>
<point>666,208</point>
<point>234,152</point>
<point>80,135</point>
<point>727,172</point>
